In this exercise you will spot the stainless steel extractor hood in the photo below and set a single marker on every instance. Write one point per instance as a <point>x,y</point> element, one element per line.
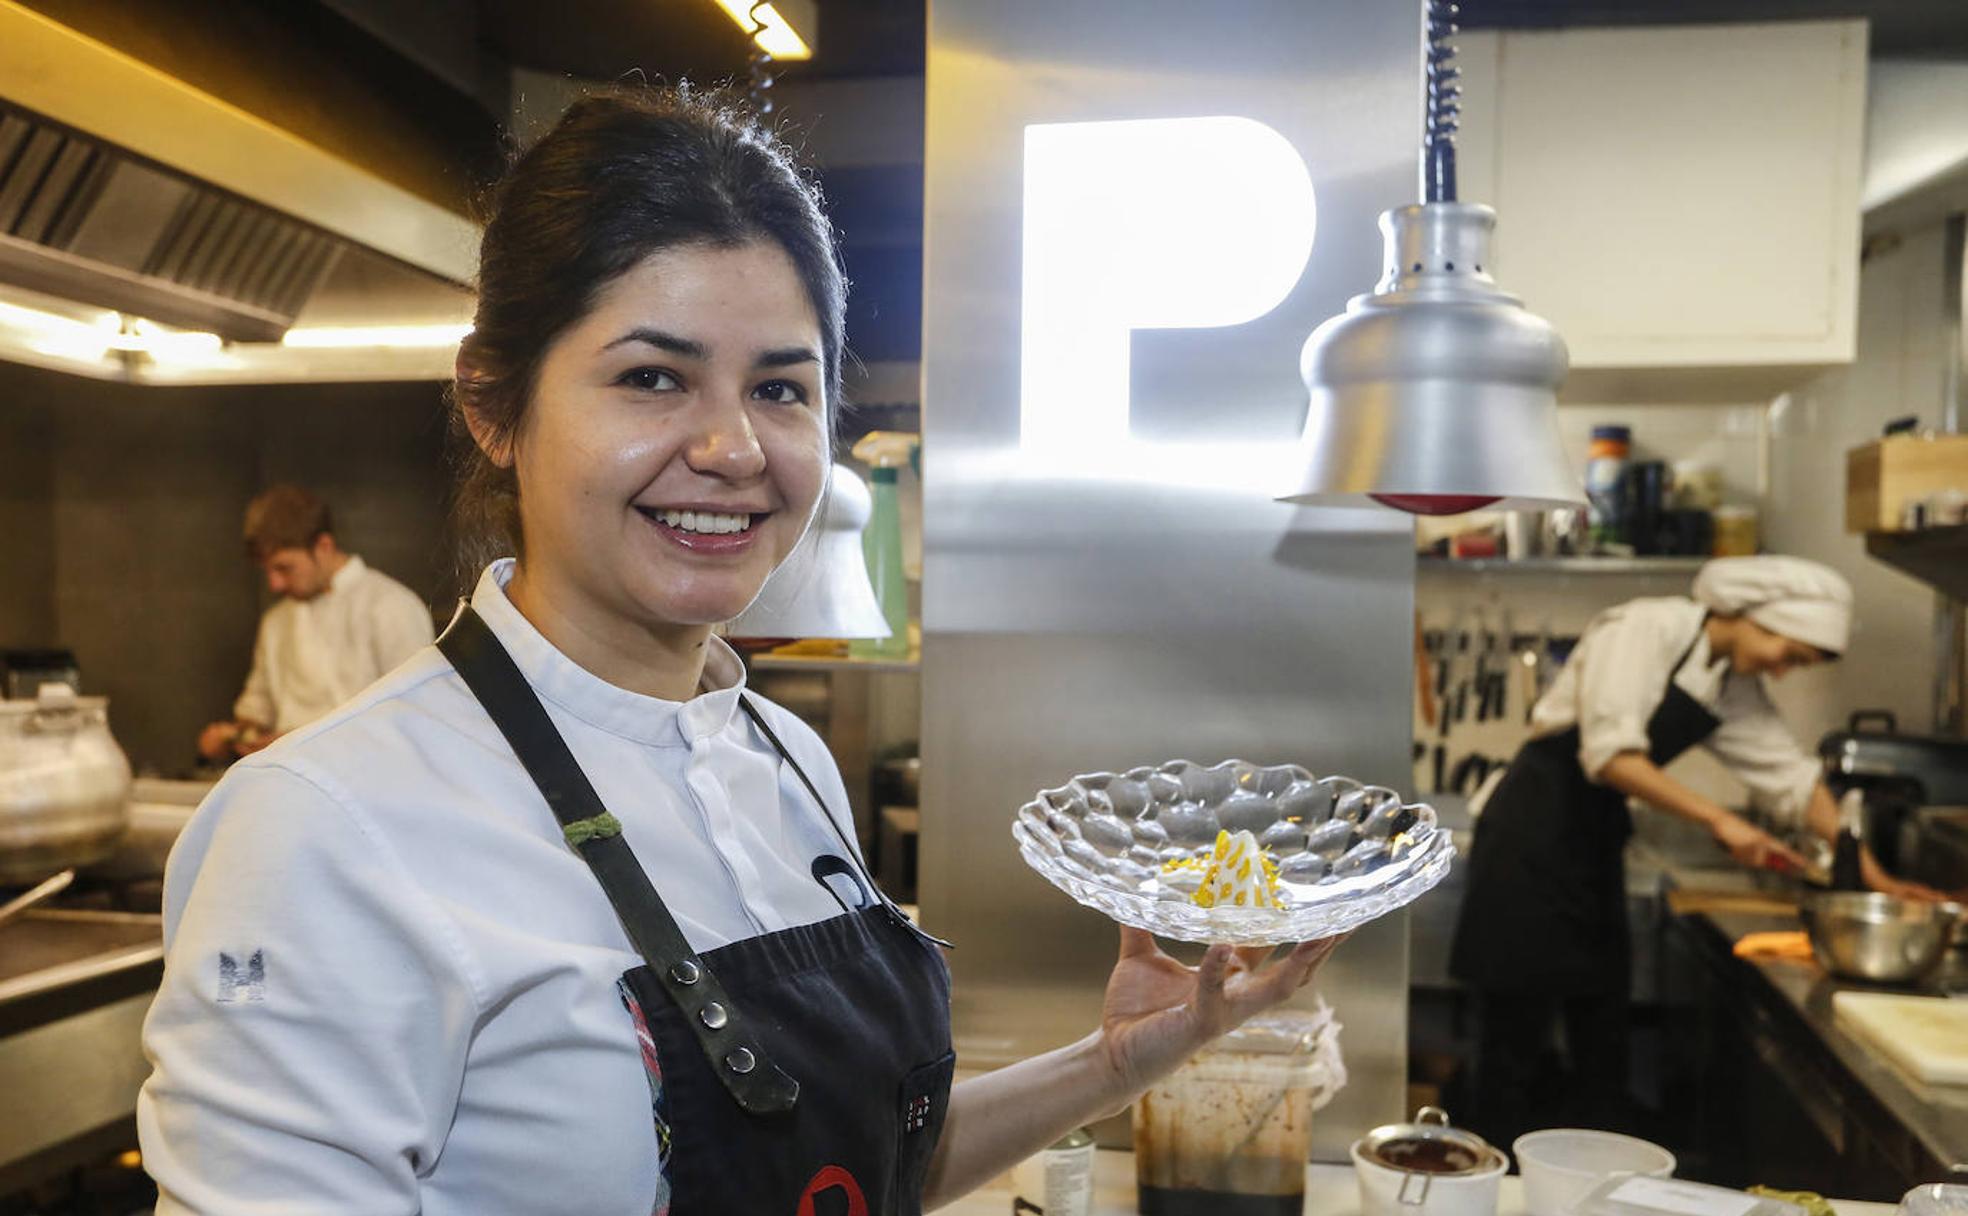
<point>136,204</point>
<point>83,220</point>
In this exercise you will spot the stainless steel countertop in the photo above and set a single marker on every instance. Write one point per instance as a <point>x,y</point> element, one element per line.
<point>1935,1116</point>
<point>1330,1190</point>
<point>47,950</point>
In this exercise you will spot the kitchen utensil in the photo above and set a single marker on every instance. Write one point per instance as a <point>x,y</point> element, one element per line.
<point>64,784</point>
<point>1926,1035</point>
<point>34,895</point>
<point>1863,935</point>
<point>1427,1168</point>
<point>1129,845</point>
<point>1230,1130</point>
<point>1562,1165</point>
<point>1629,1196</point>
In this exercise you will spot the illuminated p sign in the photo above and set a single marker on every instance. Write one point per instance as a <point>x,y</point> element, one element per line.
<point>1156,224</point>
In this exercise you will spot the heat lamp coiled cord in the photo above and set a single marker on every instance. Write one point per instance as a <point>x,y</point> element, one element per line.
<point>759,91</point>
<point>1444,109</point>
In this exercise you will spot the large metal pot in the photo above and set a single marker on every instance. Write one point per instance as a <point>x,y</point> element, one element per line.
<point>1867,936</point>
<point>64,784</point>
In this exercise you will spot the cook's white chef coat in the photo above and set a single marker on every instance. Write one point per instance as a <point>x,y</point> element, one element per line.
<point>390,986</point>
<point>1618,673</point>
<point>312,655</point>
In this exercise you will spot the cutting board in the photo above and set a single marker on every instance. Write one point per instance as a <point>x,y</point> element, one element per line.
<point>1926,1035</point>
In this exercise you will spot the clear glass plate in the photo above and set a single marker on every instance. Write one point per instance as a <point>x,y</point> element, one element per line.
<point>1346,852</point>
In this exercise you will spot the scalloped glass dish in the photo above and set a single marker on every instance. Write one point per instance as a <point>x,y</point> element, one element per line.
<point>1346,852</point>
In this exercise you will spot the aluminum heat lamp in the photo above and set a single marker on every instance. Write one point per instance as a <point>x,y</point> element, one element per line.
<point>822,590</point>
<point>1437,393</point>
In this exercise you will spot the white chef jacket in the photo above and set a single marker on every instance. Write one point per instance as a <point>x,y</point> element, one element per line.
<point>312,655</point>
<point>390,986</point>
<point>1618,674</point>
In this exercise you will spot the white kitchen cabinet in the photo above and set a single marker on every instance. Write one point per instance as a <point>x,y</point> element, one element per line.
<point>1675,196</point>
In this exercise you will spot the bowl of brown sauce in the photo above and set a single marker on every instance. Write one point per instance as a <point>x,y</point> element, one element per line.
<point>1427,1168</point>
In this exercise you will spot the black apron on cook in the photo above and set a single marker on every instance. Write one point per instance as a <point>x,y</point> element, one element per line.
<point>1546,906</point>
<point>802,1073</point>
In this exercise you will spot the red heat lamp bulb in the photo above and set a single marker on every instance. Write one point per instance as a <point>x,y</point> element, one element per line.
<point>1436,504</point>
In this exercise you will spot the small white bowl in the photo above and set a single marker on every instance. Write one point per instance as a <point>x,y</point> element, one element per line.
<point>1562,1164</point>
<point>1385,1191</point>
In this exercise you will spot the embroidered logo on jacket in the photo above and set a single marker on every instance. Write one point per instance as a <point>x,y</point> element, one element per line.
<point>242,986</point>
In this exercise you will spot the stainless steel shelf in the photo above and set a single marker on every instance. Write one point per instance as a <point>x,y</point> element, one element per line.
<point>1562,565</point>
<point>1935,556</point>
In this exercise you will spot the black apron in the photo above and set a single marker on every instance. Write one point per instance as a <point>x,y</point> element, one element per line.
<point>799,1073</point>
<point>1546,906</point>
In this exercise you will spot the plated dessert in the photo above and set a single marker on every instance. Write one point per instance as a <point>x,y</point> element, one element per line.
<point>1235,852</point>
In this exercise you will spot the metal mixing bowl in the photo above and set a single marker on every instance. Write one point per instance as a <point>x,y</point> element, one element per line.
<point>1872,937</point>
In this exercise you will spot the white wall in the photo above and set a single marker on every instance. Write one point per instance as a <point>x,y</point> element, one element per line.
<point>1915,136</point>
<point>1903,344</point>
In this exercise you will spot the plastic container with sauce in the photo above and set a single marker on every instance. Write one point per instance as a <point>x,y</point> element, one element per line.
<point>1229,1132</point>
<point>1640,1195</point>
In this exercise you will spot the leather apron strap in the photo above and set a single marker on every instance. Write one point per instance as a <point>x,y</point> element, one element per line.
<point>735,1053</point>
<point>853,854</point>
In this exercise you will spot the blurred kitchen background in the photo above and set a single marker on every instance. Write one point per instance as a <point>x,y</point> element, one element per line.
<point>236,246</point>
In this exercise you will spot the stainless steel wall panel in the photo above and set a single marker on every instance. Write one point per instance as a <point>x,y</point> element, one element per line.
<point>1097,617</point>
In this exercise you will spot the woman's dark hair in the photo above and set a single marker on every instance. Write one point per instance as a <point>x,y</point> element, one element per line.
<point>624,174</point>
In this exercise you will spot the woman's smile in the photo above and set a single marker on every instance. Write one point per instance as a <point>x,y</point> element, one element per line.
<point>707,530</point>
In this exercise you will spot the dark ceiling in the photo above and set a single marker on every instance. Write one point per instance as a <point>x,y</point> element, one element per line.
<point>602,39</point>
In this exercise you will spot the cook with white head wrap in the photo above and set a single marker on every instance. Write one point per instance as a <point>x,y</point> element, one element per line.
<point>1647,680</point>
<point>1788,595</point>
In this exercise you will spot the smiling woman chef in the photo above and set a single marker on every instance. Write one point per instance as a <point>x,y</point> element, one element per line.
<point>538,922</point>
<point>1543,936</point>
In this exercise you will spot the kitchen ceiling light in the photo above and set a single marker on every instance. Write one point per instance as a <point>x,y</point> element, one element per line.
<point>322,337</point>
<point>775,27</point>
<point>1436,393</point>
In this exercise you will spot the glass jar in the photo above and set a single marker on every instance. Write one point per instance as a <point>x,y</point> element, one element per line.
<point>1735,532</point>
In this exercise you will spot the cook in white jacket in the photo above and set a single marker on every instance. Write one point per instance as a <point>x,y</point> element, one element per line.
<point>1542,937</point>
<point>558,917</point>
<point>338,627</point>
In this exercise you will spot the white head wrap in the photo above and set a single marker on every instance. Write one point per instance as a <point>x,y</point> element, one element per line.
<point>1787,595</point>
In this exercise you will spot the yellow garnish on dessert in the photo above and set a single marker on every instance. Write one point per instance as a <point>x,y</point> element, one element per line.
<point>1240,875</point>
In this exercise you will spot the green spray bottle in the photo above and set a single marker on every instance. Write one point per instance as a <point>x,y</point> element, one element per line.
<point>885,452</point>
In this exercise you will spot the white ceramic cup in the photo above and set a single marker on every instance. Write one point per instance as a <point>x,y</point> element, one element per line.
<point>1382,1193</point>
<point>1560,1165</point>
